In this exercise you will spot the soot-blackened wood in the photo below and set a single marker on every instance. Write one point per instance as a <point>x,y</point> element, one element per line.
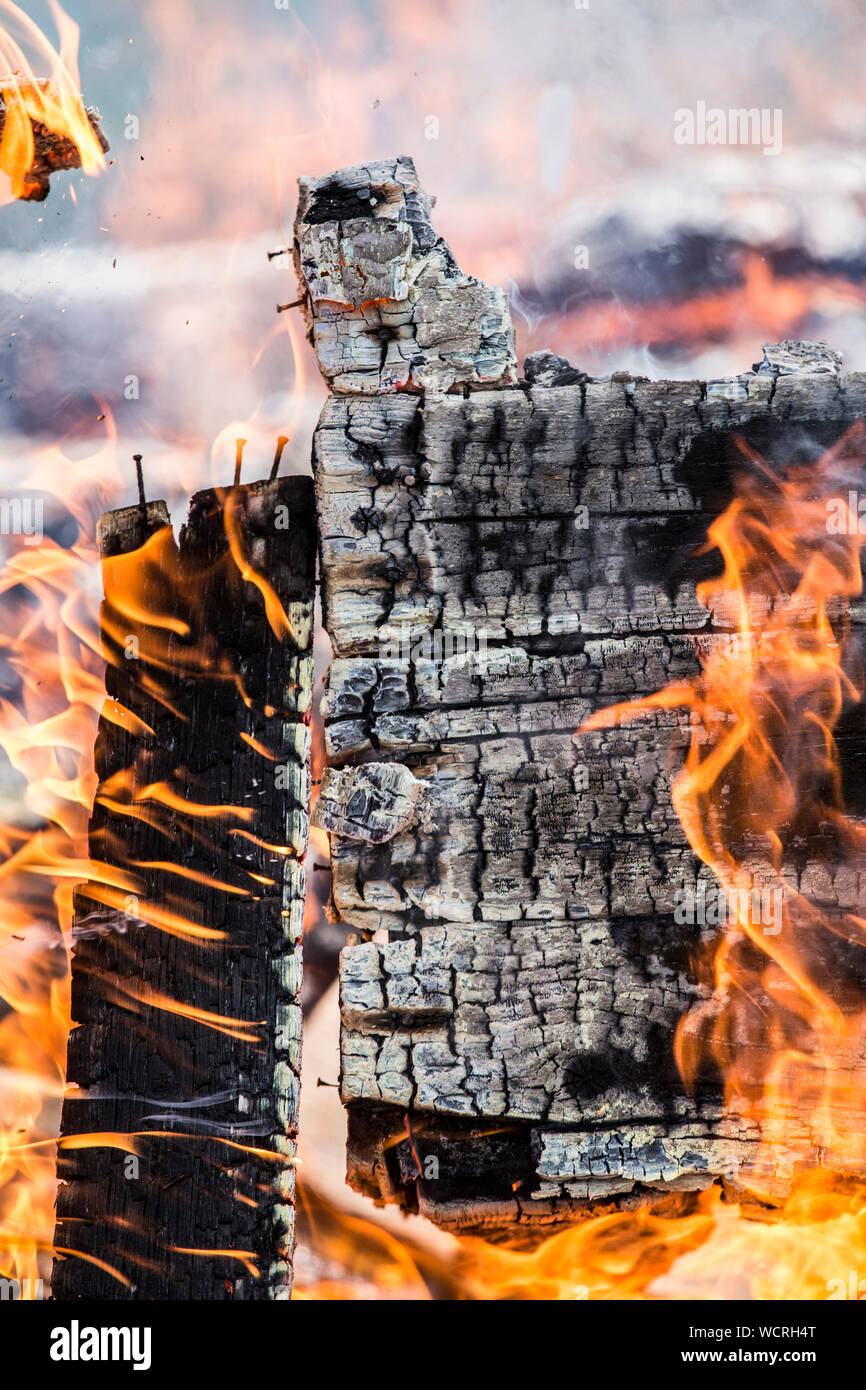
<point>539,565</point>
<point>186,965</point>
<point>497,565</point>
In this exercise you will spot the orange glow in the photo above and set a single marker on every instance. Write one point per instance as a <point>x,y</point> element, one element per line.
<point>803,1249</point>
<point>763,307</point>
<point>100,1264</point>
<point>160,792</point>
<point>55,648</point>
<point>232,1027</point>
<point>172,923</point>
<point>364,1260</point>
<point>246,1257</point>
<point>784,1029</point>
<point>47,733</point>
<point>193,875</point>
<point>259,747</point>
<point>786,1033</point>
<point>55,645</point>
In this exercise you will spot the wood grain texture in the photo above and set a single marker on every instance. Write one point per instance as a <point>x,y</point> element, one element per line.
<point>186,978</point>
<point>542,867</point>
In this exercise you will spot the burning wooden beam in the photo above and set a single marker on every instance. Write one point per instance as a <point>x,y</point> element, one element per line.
<point>178,1137</point>
<point>499,565</point>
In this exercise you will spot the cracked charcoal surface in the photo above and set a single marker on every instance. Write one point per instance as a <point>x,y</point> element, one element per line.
<point>527,826</point>
<point>534,974</point>
<point>371,803</point>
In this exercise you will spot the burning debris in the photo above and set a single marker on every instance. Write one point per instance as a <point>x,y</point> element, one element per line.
<point>38,137</point>
<point>595,798</point>
<point>509,842</point>
<point>44,124</point>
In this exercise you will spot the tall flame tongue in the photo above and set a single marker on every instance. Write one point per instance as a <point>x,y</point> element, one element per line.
<point>52,656</point>
<point>760,799</point>
<point>49,650</point>
<point>43,121</point>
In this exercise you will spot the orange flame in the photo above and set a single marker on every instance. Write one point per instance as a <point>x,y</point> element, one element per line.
<point>47,735</point>
<point>786,1023</point>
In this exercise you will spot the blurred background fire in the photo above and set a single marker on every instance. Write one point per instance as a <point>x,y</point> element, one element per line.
<point>138,314</point>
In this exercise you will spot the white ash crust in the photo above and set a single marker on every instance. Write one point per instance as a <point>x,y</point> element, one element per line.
<point>370,803</point>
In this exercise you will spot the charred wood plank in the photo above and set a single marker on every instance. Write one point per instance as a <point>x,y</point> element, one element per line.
<point>184,1056</point>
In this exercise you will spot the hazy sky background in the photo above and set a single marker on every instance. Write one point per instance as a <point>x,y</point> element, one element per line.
<point>555,128</point>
